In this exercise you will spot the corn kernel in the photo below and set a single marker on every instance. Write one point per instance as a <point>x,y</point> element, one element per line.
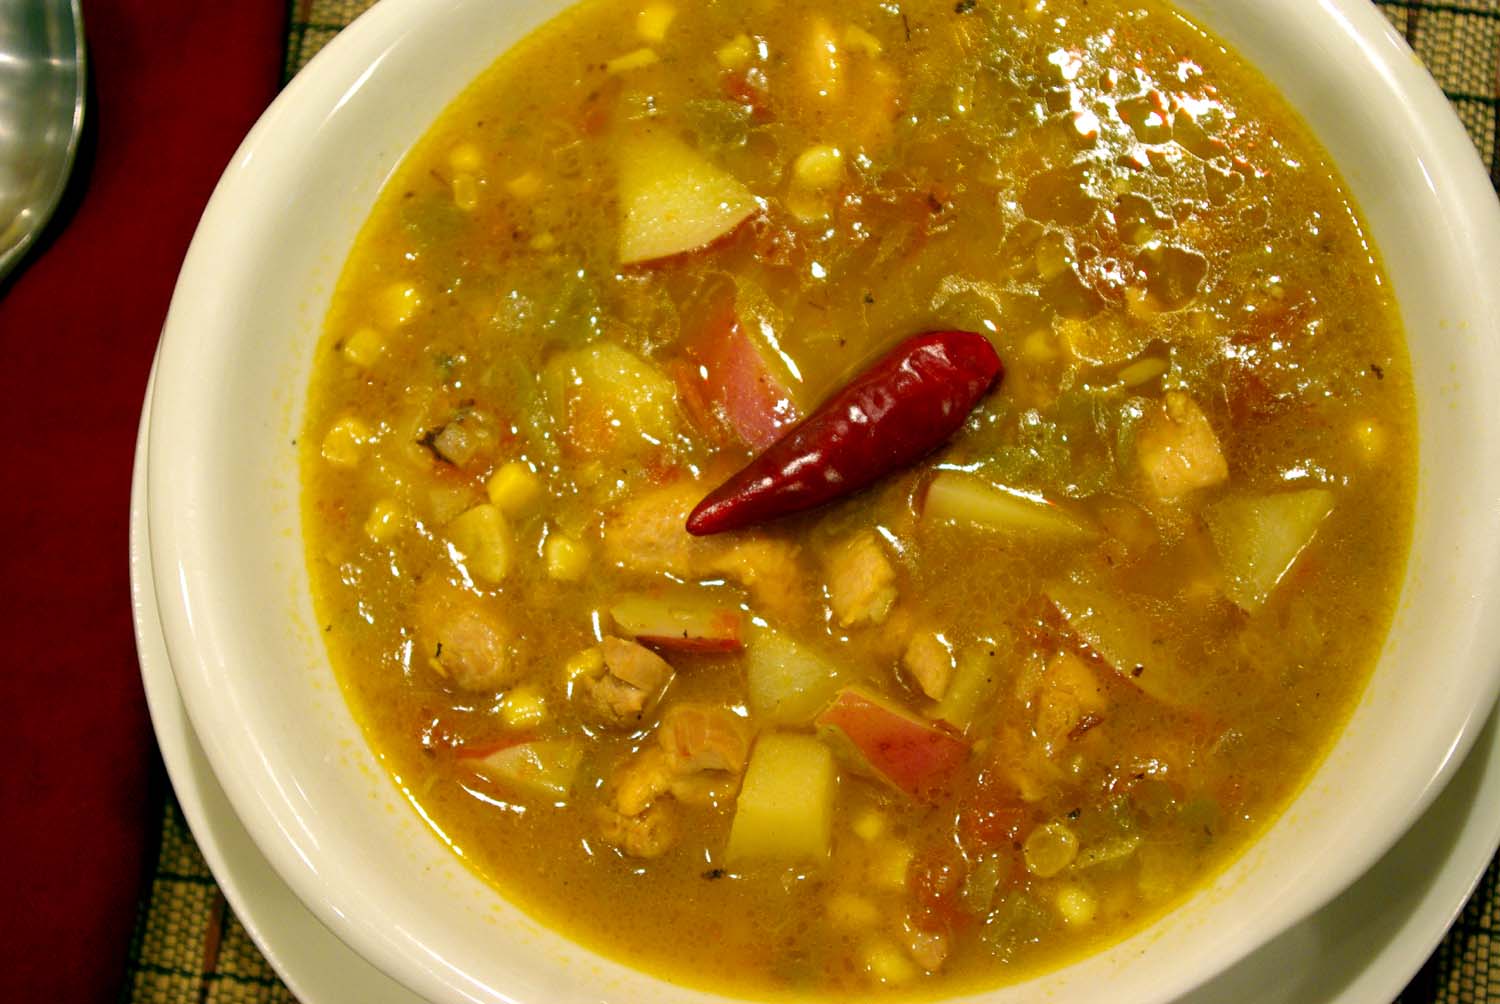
<point>385,520</point>
<point>466,158</point>
<point>856,39</point>
<point>344,442</point>
<point>888,964</point>
<point>1050,848</point>
<point>1369,439</point>
<point>736,53</point>
<point>654,20</point>
<point>524,707</point>
<point>888,867</point>
<point>634,60</point>
<point>524,186</point>
<point>1143,371</point>
<point>483,539</point>
<point>868,825</point>
<point>819,167</point>
<point>1077,905</point>
<point>566,558</point>
<point>515,489</point>
<point>1039,346</point>
<point>848,910</point>
<point>465,192</point>
<point>364,348</point>
<point>400,301</point>
<point>589,662</point>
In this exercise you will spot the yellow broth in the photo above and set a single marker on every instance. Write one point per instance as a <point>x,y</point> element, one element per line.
<point>1204,440</point>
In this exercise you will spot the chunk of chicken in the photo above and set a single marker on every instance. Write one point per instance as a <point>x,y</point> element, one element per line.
<point>647,835</point>
<point>861,580</point>
<point>1071,700</point>
<point>1178,450</point>
<point>628,683</point>
<point>699,737</point>
<point>648,534</point>
<point>467,641</point>
<point>928,661</point>
<point>698,758</point>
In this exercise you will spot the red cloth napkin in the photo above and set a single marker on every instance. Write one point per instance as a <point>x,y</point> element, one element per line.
<point>176,85</point>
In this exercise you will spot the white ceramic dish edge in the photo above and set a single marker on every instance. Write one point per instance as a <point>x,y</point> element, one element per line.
<point>194,520</point>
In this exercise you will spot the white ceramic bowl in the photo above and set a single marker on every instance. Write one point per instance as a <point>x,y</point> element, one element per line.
<point>226,538</point>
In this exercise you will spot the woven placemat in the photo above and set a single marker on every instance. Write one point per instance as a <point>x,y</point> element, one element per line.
<point>188,945</point>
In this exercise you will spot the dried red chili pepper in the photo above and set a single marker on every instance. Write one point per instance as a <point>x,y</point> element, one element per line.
<point>890,416</point>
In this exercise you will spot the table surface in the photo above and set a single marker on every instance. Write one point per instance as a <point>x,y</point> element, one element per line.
<point>103,873</point>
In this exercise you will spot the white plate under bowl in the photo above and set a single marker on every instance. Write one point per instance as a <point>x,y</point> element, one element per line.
<point>232,587</point>
<point>1360,949</point>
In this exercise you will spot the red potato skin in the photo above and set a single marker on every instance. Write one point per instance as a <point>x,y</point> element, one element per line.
<point>725,380</point>
<point>677,643</point>
<point>889,417</point>
<point>914,756</point>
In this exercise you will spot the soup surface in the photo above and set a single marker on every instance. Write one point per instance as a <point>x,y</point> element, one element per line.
<point>995,711</point>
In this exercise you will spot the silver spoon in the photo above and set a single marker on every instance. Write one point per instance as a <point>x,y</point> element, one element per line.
<point>42,82</point>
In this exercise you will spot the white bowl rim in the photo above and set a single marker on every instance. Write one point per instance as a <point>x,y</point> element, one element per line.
<point>1456,178</point>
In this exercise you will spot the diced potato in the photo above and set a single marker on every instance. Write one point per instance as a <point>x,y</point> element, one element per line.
<point>1120,634</point>
<point>635,59</point>
<point>524,707</point>
<point>364,348</point>
<point>567,559</point>
<point>385,520</point>
<point>1260,537</point>
<point>682,621</point>
<point>605,398</point>
<point>344,442</point>
<point>788,683</point>
<point>400,301</point>
<point>546,767</point>
<point>880,738</point>
<point>654,20</point>
<point>956,497</point>
<point>736,53</point>
<point>515,489</point>
<point>972,689</point>
<point>819,168</point>
<point>785,806</point>
<point>1049,849</point>
<point>1178,450</point>
<point>672,199</point>
<point>484,542</point>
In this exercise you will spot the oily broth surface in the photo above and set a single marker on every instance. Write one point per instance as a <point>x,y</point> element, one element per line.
<point>1055,174</point>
